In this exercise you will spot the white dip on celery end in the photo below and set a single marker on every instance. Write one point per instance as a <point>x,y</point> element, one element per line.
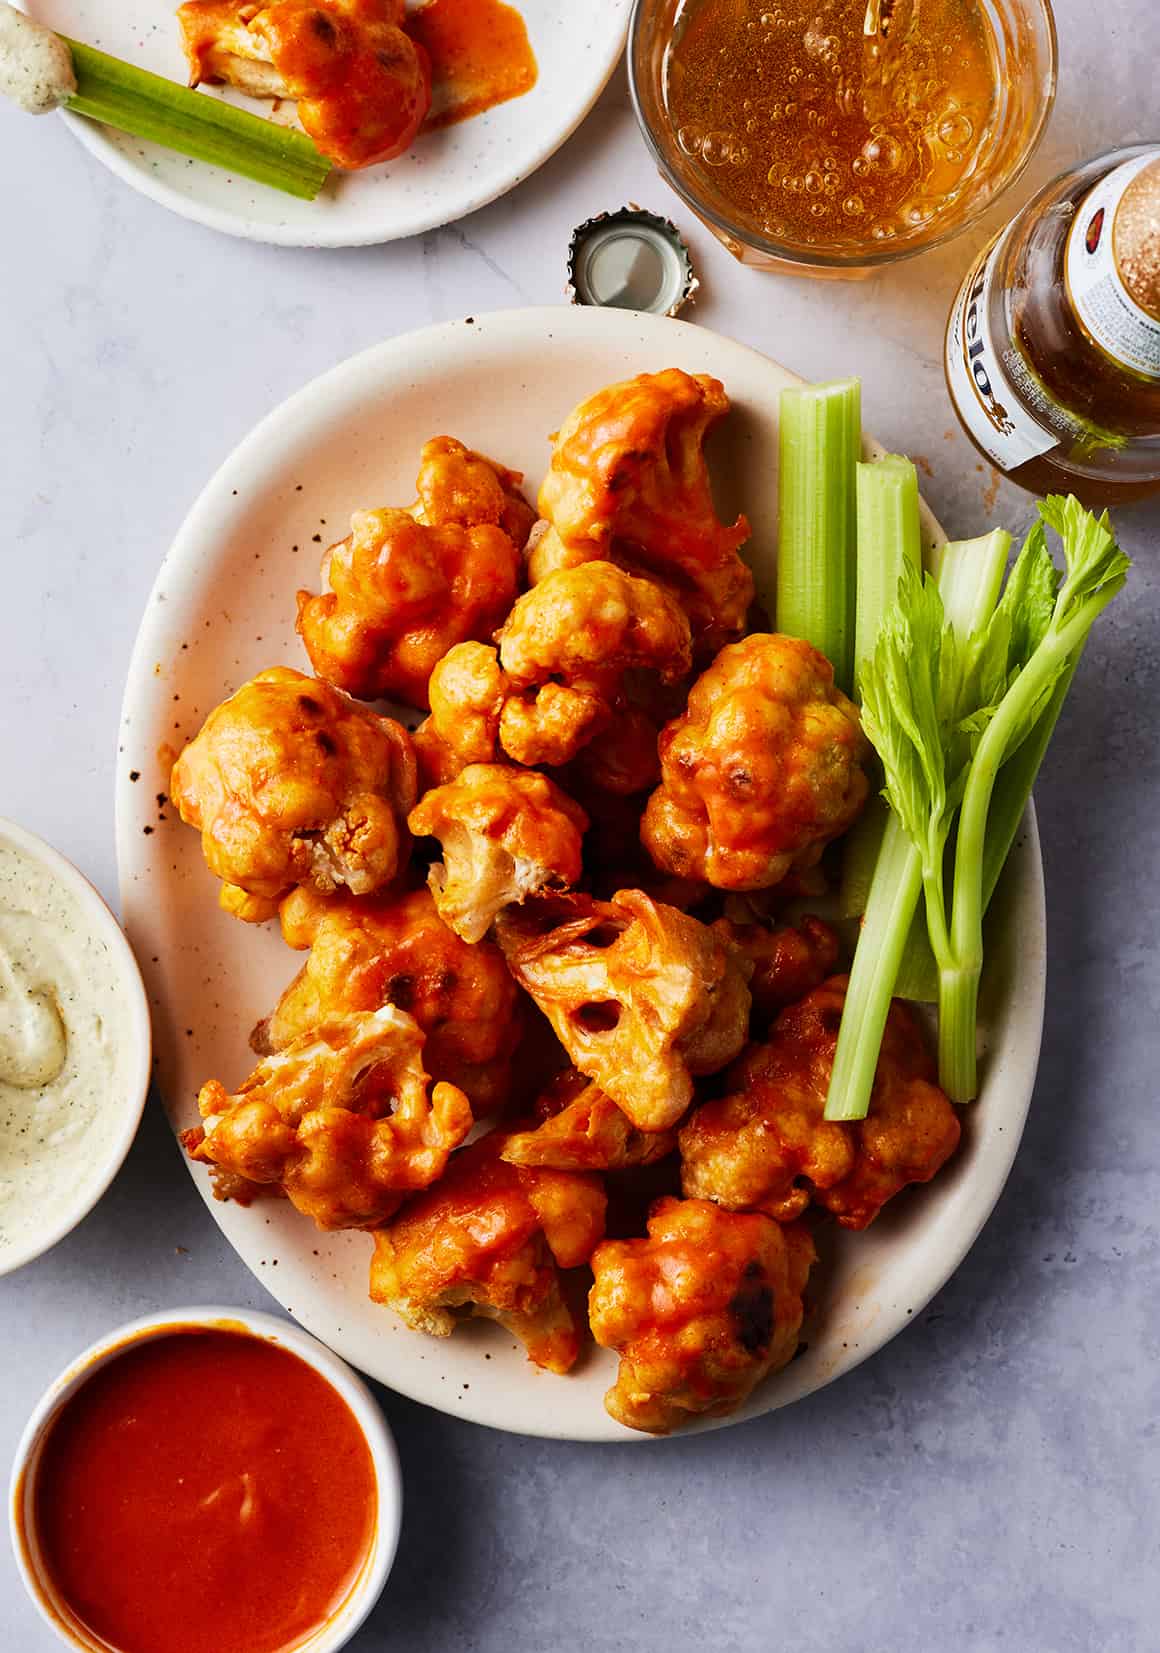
<point>66,1057</point>
<point>36,67</point>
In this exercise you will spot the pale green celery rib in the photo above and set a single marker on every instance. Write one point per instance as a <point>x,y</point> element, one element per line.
<point>918,976</point>
<point>820,440</point>
<point>148,106</point>
<point>957,1032</point>
<point>888,538</point>
<point>893,901</point>
<point>970,577</point>
<point>959,987</point>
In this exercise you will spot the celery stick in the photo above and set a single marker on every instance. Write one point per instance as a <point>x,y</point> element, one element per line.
<point>1013,786</point>
<point>820,439</point>
<point>891,906</point>
<point>918,974</point>
<point>1096,571</point>
<point>889,537</point>
<point>945,715</point>
<point>886,492</point>
<point>970,578</point>
<point>148,106</point>
<point>970,575</point>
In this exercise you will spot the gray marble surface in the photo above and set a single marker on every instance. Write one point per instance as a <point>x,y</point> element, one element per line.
<point>991,1481</point>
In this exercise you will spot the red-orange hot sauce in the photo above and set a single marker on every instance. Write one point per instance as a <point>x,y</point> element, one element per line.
<point>204,1492</point>
<point>480,56</point>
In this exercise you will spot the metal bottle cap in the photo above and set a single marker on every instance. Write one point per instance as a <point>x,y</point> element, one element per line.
<point>630,260</point>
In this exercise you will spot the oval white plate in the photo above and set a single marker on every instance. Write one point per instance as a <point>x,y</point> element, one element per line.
<point>223,608</point>
<point>442,177</point>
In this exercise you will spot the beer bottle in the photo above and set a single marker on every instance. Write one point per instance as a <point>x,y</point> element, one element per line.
<point>1053,344</point>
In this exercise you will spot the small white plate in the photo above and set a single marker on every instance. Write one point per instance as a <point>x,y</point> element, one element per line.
<point>442,177</point>
<point>223,608</point>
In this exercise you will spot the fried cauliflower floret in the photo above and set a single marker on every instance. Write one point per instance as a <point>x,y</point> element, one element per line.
<point>467,691</point>
<point>582,1129</point>
<point>628,484</point>
<point>558,678</point>
<point>641,996</point>
<point>340,1120</point>
<point>362,85</point>
<point>565,649</point>
<point>505,834</point>
<point>766,1146</point>
<point>585,621</point>
<point>369,951</point>
<point>490,1240</point>
<point>788,961</point>
<point>763,768</point>
<point>400,595</point>
<point>290,783</point>
<point>700,1312</point>
<point>458,486</point>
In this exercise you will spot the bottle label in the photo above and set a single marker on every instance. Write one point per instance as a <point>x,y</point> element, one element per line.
<point>1098,296</point>
<point>982,386</point>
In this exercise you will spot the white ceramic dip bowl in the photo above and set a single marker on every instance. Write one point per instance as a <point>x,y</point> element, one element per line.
<point>63,957</point>
<point>352,1611</point>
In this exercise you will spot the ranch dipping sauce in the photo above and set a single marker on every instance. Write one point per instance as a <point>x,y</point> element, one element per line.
<point>70,1049</point>
<point>36,66</point>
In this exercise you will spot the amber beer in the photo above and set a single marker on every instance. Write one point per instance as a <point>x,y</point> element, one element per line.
<point>1053,345</point>
<point>805,136</point>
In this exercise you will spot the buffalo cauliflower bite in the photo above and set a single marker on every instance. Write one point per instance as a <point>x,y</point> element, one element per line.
<point>788,960</point>
<point>700,1312</point>
<point>767,1146</point>
<point>290,783</point>
<point>340,1120</point>
<point>458,486</point>
<point>362,85</point>
<point>761,771</point>
<point>558,678</point>
<point>489,1240</point>
<point>565,649</point>
<point>401,593</point>
<point>467,691</point>
<point>505,834</point>
<point>581,1129</point>
<point>641,996</point>
<point>393,948</point>
<point>628,483</point>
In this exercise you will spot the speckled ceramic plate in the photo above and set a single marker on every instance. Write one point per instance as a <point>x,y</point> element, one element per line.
<point>223,608</point>
<point>442,177</point>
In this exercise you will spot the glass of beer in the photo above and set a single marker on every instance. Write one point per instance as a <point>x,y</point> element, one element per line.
<point>829,137</point>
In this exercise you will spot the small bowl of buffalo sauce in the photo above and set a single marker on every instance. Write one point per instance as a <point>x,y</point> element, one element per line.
<point>209,1481</point>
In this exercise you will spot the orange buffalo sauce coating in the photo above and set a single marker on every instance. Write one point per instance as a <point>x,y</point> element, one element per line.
<point>480,56</point>
<point>204,1492</point>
